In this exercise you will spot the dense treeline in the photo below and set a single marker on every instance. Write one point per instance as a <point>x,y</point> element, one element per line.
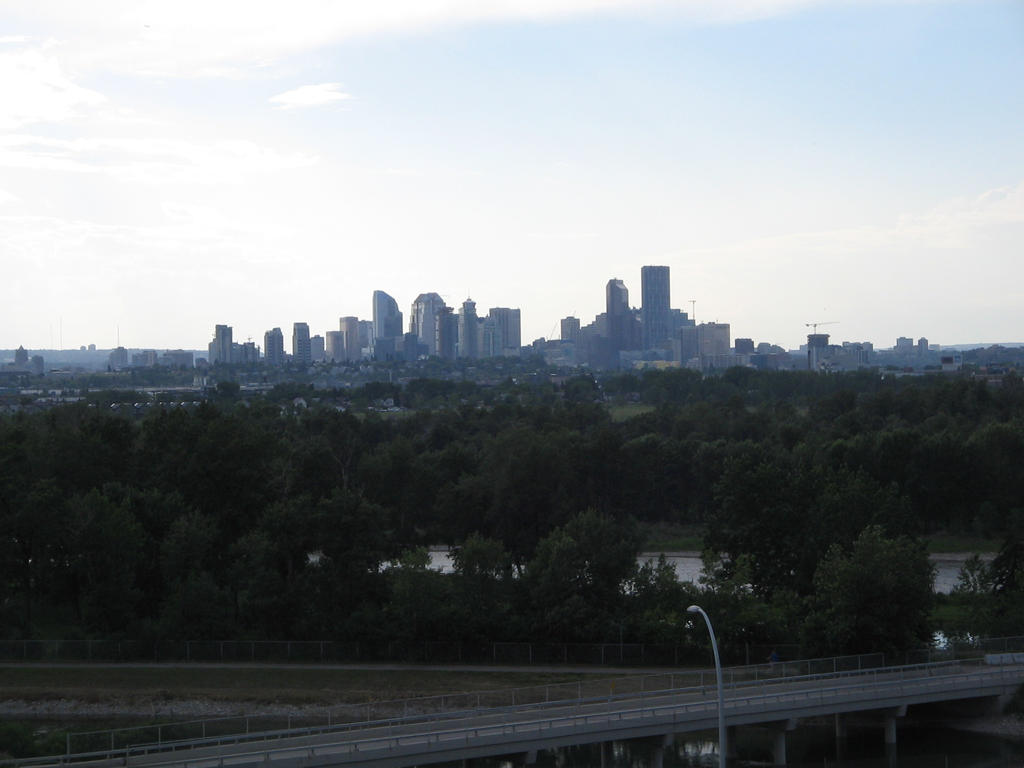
<point>268,519</point>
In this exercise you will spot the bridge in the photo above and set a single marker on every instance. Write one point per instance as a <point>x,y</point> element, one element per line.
<point>654,714</point>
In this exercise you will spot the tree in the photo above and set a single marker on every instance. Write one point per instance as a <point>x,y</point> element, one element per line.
<point>576,581</point>
<point>876,596</point>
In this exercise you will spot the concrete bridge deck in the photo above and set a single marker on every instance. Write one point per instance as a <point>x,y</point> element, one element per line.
<point>524,730</point>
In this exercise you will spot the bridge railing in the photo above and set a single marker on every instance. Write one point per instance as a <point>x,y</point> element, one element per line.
<point>454,704</point>
<point>769,697</point>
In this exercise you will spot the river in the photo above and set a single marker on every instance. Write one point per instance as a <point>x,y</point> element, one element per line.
<point>688,565</point>
<point>810,745</point>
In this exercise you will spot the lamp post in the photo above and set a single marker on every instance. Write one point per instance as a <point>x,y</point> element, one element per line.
<point>721,688</point>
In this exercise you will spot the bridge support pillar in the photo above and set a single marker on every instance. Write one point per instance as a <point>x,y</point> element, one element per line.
<point>890,731</point>
<point>530,758</point>
<point>840,736</point>
<point>779,748</point>
<point>658,746</point>
<point>730,747</point>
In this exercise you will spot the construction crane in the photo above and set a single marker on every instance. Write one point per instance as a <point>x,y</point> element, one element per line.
<point>814,326</point>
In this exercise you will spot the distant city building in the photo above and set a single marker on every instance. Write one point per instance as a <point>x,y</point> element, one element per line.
<point>423,320</point>
<point>334,347</point>
<point>220,348</point>
<point>177,358</point>
<point>656,306</point>
<point>617,314</point>
<point>922,346</point>
<point>349,327</point>
<point>446,336</point>
<point>713,339</point>
<point>904,345</point>
<point>273,347</point>
<point>144,359</point>
<point>301,352</point>
<point>245,353</point>
<point>744,346</point>
<point>469,331</point>
<point>387,320</point>
<point>508,333</point>
<point>684,345</point>
<point>21,357</point>
<point>365,337</point>
<point>118,358</point>
<point>569,329</point>
<point>316,348</point>
<point>817,350</point>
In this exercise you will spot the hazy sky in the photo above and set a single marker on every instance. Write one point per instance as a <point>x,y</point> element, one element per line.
<point>166,166</point>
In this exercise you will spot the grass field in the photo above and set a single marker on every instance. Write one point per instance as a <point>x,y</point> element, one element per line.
<point>279,685</point>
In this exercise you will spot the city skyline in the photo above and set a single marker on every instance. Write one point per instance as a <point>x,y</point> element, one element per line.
<point>166,168</point>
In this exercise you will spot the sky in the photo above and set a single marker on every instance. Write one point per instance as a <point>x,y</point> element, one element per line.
<point>169,166</point>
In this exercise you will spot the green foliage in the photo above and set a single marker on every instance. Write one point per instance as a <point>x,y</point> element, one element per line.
<point>875,596</point>
<point>267,521</point>
<point>577,578</point>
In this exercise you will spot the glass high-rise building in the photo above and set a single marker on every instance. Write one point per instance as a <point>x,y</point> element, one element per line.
<point>387,320</point>
<point>273,347</point>
<point>301,351</point>
<point>656,306</point>
<point>424,321</point>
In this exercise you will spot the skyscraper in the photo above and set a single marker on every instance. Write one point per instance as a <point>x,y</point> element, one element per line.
<point>656,306</point>
<point>349,327</point>
<point>423,320</point>
<point>469,330</point>
<point>570,329</point>
<point>387,320</point>
<point>619,318</point>
<point>273,347</point>
<point>334,346</point>
<point>220,348</point>
<point>508,328</point>
<point>447,333</point>
<point>301,352</point>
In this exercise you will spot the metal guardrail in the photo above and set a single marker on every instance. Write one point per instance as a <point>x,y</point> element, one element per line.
<point>906,681</point>
<point>799,684</point>
<point>444,705</point>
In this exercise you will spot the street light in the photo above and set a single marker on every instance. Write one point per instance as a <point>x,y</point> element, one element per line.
<point>721,689</point>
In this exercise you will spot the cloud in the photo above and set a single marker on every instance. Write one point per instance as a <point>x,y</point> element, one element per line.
<point>36,89</point>
<point>189,38</point>
<point>310,96</point>
<point>7,197</point>
<point>149,161</point>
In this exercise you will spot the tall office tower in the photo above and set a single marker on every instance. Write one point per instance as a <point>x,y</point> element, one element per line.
<point>220,347</point>
<point>490,338</point>
<point>509,328</point>
<point>656,306</point>
<point>366,334</point>
<point>317,348</point>
<point>349,327</point>
<point>569,329</point>
<point>468,330</point>
<point>619,318</point>
<point>334,347</point>
<point>273,347</point>
<point>387,320</point>
<point>447,333</point>
<point>714,339</point>
<point>301,352</point>
<point>423,320</point>
<point>684,344</point>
